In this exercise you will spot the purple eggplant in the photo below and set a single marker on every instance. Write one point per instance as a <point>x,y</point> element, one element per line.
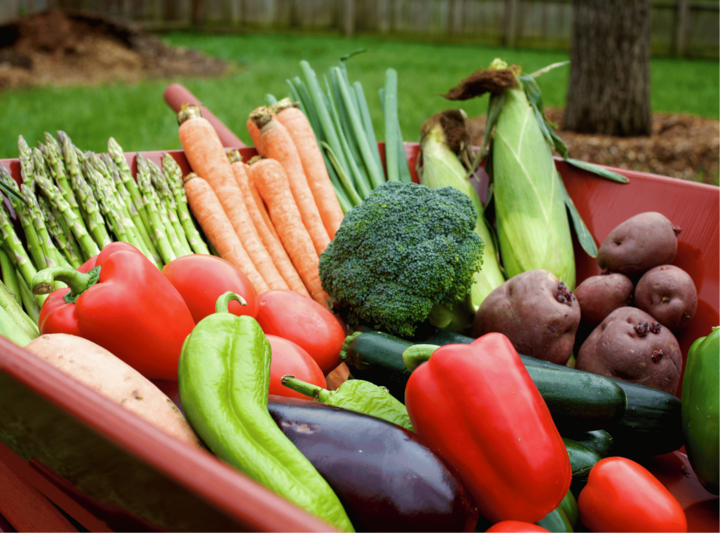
<point>385,477</point>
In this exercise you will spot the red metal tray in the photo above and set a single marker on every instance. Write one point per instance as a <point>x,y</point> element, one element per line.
<point>110,470</point>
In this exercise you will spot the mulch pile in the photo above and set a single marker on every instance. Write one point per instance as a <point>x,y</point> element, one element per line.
<point>69,48</point>
<point>681,146</point>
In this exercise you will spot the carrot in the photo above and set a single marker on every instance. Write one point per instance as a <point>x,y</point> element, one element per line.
<point>207,158</point>
<point>273,244</point>
<point>274,187</point>
<point>219,231</point>
<point>313,164</point>
<point>277,144</point>
<point>258,199</point>
<point>254,132</point>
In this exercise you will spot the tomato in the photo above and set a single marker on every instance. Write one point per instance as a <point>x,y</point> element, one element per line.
<point>305,322</point>
<point>516,527</point>
<point>201,279</point>
<point>622,496</point>
<point>290,359</point>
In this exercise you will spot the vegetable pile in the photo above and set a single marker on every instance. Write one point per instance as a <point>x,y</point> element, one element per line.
<point>485,392</point>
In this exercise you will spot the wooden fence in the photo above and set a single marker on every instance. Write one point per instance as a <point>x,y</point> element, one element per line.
<point>679,27</point>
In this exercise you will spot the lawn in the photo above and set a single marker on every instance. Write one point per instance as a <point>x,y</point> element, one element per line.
<point>138,118</point>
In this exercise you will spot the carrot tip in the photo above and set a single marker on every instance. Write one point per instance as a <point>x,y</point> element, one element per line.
<point>261,116</point>
<point>188,111</point>
<point>284,103</point>
<point>189,177</point>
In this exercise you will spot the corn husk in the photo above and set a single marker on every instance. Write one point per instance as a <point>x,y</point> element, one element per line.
<point>532,222</point>
<point>441,168</point>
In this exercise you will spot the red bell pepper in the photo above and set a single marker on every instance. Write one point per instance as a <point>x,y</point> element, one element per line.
<point>477,405</point>
<point>623,496</point>
<point>123,304</point>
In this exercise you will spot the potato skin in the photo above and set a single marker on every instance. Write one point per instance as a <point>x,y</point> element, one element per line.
<point>668,294</point>
<point>526,309</point>
<point>615,349</point>
<point>104,372</point>
<point>599,296</point>
<point>639,244</point>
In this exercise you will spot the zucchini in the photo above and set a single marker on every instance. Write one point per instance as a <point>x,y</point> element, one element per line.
<point>556,522</point>
<point>600,441</point>
<point>581,402</point>
<point>582,460</point>
<point>569,506</point>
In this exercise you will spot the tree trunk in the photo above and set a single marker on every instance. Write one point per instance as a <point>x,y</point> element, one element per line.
<point>609,90</point>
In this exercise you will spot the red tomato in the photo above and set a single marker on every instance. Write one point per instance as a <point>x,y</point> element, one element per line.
<point>622,496</point>
<point>289,359</point>
<point>305,322</point>
<point>516,527</point>
<point>201,279</point>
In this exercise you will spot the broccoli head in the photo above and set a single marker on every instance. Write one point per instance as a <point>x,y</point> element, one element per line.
<point>404,250</point>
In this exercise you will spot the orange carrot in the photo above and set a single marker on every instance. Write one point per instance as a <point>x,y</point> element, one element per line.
<point>274,187</point>
<point>215,224</point>
<point>208,160</point>
<point>254,132</point>
<point>313,164</point>
<point>277,144</point>
<point>273,245</point>
<point>258,199</point>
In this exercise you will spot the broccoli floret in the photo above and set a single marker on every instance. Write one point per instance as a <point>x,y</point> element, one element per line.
<point>405,249</point>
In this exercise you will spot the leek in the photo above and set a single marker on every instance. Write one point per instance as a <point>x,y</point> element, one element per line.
<point>441,167</point>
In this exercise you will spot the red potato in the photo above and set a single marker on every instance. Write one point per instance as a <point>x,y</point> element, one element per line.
<point>537,313</point>
<point>668,294</point>
<point>290,359</point>
<point>304,322</point>
<point>639,244</point>
<point>630,345</point>
<point>599,296</point>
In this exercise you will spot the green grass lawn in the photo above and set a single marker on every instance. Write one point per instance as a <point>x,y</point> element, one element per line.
<point>138,118</point>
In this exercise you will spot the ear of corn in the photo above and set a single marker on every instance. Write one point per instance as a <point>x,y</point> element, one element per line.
<point>442,168</point>
<point>532,222</point>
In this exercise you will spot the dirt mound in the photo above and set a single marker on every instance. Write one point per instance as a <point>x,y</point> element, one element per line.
<point>681,146</point>
<point>64,48</point>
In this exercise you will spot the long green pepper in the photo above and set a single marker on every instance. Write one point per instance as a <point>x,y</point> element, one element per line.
<point>224,379</point>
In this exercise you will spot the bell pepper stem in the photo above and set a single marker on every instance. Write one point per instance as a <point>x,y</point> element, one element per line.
<point>306,389</point>
<point>42,282</point>
<point>415,355</point>
<point>223,301</point>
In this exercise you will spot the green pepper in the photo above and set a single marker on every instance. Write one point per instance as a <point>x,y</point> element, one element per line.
<point>224,378</point>
<point>700,418</point>
<point>356,395</point>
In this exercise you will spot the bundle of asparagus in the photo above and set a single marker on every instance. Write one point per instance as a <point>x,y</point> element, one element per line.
<point>72,204</point>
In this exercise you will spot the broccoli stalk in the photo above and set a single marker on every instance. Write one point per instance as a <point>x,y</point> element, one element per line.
<point>405,252</point>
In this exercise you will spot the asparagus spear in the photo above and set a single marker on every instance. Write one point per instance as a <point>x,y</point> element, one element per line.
<point>53,257</point>
<point>52,153</point>
<point>116,153</point>
<point>158,229</point>
<point>161,186</point>
<point>15,250</point>
<point>63,239</point>
<point>33,243</point>
<point>95,223</point>
<point>8,275</point>
<point>29,301</point>
<point>87,245</point>
<point>11,306</point>
<point>174,178</point>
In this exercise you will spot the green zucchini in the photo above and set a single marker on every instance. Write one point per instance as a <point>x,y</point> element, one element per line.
<point>582,460</point>
<point>581,402</point>
<point>600,441</point>
<point>556,522</point>
<point>569,506</point>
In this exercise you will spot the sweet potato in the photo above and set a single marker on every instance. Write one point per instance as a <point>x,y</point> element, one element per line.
<point>537,313</point>
<point>630,345</point>
<point>104,372</point>
<point>638,244</point>
<point>599,296</point>
<point>668,294</point>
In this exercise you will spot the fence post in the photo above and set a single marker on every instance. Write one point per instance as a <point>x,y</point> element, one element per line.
<point>197,12</point>
<point>682,18</point>
<point>511,12</point>
<point>348,17</point>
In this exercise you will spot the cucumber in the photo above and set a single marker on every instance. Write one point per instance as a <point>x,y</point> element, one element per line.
<point>581,402</point>
<point>582,460</point>
<point>556,522</point>
<point>569,506</point>
<point>600,441</point>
